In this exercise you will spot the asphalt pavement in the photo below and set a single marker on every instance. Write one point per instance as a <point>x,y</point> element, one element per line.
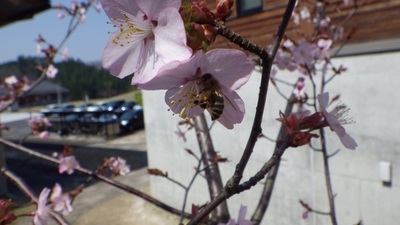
<point>100,203</point>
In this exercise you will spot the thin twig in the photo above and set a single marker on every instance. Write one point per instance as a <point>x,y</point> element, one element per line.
<point>239,40</point>
<point>256,129</point>
<point>272,174</point>
<point>187,189</point>
<point>212,173</point>
<point>22,186</point>
<point>100,177</point>
<point>328,182</point>
<point>242,187</point>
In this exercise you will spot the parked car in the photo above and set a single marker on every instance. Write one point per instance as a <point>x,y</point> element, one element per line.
<point>87,107</point>
<point>53,109</point>
<point>127,106</point>
<point>112,105</point>
<point>131,120</point>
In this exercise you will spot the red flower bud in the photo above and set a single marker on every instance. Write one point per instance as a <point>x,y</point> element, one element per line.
<point>224,9</point>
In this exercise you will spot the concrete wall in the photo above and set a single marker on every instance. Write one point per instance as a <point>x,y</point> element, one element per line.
<point>371,88</point>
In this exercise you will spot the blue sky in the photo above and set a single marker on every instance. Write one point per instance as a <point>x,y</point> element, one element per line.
<point>86,43</point>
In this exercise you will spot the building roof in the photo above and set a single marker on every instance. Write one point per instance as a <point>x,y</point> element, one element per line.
<point>43,88</point>
<point>14,10</point>
<point>47,87</point>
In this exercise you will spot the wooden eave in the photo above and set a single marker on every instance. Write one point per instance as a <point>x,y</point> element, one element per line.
<point>15,10</point>
<point>374,20</point>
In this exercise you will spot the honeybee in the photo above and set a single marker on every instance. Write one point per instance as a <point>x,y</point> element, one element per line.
<point>213,98</point>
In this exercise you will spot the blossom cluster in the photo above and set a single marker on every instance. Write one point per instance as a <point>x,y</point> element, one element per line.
<point>13,86</point>
<point>299,125</point>
<point>58,202</point>
<point>39,126</point>
<point>162,43</point>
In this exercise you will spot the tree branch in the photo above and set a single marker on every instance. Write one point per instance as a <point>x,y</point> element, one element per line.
<point>212,173</point>
<point>272,174</point>
<point>100,177</point>
<point>242,187</point>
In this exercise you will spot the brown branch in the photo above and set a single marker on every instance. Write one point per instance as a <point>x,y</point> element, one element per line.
<point>266,71</point>
<point>212,173</point>
<point>331,197</point>
<point>242,187</point>
<point>232,185</point>
<point>239,40</point>
<point>272,174</point>
<point>100,177</point>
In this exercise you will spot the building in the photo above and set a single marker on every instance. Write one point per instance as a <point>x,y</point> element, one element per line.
<point>46,92</point>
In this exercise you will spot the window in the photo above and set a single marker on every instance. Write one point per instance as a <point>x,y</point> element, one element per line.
<point>245,7</point>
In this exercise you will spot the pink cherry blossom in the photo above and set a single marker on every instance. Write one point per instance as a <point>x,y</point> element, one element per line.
<point>335,120</point>
<point>39,125</point>
<point>65,55</point>
<point>98,8</point>
<point>44,134</point>
<point>305,13</point>
<point>10,80</point>
<point>227,69</point>
<point>119,166</point>
<point>241,218</point>
<point>60,16</point>
<point>60,202</point>
<point>68,164</point>
<point>283,61</point>
<point>324,46</point>
<point>51,71</point>
<point>150,34</point>
<point>42,211</point>
<point>303,53</point>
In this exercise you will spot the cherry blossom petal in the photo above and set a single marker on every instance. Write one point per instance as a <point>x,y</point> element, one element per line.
<point>348,141</point>
<point>112,8</point>
<point>169,37</point>
<point>234,109</point>
<point>323,100</point>
<point>61,202</point>
<point>242,216</point>
<point>232,73</point>
<point>153,8</point>
<point>56,192</point>
<point>115,57</point>
<point>42,212</point>
<point>174,74</point>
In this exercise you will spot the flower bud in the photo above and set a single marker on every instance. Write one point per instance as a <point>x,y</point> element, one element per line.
<point>224,9</point>
<point>195,11</point>
<point>200,36</point>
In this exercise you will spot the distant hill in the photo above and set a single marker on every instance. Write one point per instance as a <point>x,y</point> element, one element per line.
<point>75,75</point>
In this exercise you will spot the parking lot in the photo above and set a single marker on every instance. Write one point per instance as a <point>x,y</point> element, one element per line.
<point>106,119</point>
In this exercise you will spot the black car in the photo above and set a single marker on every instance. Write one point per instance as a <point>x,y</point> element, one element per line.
<point>87,107</point>
<point>131,120</point>
<point>112,105</point>
<point>57,109</point>
<point>127,106</point>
